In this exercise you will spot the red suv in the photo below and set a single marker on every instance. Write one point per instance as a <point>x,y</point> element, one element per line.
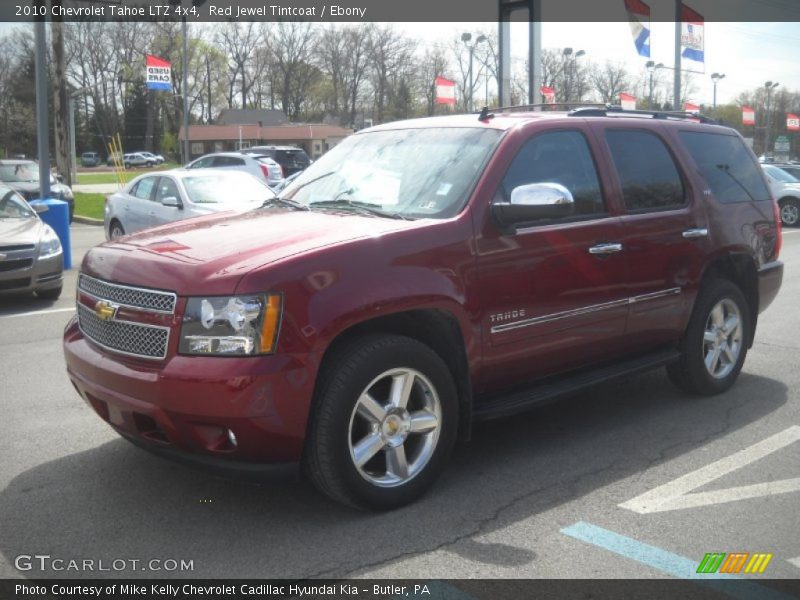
<point>424,275</point>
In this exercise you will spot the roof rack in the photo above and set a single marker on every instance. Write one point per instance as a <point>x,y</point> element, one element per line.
<point>610,110</point>
<point>524,107</point>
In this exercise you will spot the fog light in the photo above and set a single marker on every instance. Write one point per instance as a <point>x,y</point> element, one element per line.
<point>232,438</point>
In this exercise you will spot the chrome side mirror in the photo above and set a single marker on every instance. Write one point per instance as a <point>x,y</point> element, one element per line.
<point>534,201</point>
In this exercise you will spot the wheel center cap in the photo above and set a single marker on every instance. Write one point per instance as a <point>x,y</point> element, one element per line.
<point>394,428</point>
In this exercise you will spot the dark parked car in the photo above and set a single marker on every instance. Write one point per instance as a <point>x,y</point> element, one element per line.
<point>23,176</point>
<point>31,258</point>
<point>424,275</point>
<point>290,158</point>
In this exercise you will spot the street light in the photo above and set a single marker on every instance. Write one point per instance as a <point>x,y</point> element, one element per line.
<point>567,52</point>
<point>651,68</point>
<point>715,77</point>
<point>466,37</point>
<point>769,86</point>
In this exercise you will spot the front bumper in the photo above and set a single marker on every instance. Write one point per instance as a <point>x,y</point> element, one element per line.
<point>770,277</point>
<point>44,274</point>
<point>190,405</point>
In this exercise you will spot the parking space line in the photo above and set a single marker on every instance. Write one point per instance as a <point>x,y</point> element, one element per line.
<point>675,494</point>
<point>795,561</point>
<point>39,312</point>
<point>670,563</point>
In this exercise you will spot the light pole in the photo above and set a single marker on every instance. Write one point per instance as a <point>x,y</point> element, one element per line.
<point>769,86</point>
<point>715,77</point>
<point>466,37</point>
<point>571,70</point>
<point>651,68</point>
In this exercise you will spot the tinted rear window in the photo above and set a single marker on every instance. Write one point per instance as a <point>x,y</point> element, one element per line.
<point>291,156</point>
<point>647,173</point>
<point>726,165</point>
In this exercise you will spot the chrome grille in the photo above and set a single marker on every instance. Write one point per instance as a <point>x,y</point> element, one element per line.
<point>126,295</point>
<point>125,337</point>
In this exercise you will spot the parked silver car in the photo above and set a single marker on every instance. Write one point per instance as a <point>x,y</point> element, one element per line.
<point>262,167</point>
<point>786,190</point>
<point>23,176</point>
<point>31,257</point>
<point>137,159</point>
<point>159,198</point>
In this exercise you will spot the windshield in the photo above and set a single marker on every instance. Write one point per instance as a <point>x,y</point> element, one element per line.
<point>17,172</point>
<point>414,173</point>
<point>225,187</point>
<point>781,175</point>
<point>13,206</point>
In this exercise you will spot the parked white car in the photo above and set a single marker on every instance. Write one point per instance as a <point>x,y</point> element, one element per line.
<point>155,157</point>
<point>258,166</point>
<point>137,159</point>
<point>786,190</point>
<point>159,198</point>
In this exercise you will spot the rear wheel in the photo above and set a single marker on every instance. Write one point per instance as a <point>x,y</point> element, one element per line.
<point>127,165</point>
<point>384,422</point>
<point>790,212</point>
<point>715,343</point>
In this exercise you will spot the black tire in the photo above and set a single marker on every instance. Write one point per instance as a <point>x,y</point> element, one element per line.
<point>690,372</point>
<point>127,165</point>
<point>344,377</point>
<point>790,212</point>
<point>149,163</point>
<point>51,294</point>
<point>115,230</point>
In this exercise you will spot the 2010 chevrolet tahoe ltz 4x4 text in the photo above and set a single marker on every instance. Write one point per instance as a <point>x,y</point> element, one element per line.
<point>422,275</point>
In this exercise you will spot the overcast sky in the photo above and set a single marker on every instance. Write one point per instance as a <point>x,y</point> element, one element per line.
<point>747,53</point>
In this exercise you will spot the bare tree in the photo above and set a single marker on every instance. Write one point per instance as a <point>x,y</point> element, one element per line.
<point>433,64</point>
<point>389,53</point>
<point>239,42</point>
<point>291,47</point>
<point>609,80</point>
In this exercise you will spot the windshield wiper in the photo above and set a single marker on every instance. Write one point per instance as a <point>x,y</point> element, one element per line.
<point>284,202</point>
<point>367,207</point>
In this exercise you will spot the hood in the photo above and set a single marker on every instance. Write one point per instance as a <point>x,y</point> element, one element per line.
<point>15,232</point>
<point>210,254</point>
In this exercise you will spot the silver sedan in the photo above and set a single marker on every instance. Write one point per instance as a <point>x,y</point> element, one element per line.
<point>159,198</point>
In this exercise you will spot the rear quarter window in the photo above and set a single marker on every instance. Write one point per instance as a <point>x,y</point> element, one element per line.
<point>726,165</point>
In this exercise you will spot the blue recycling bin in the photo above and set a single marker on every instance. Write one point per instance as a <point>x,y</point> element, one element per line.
<point>57,216</point>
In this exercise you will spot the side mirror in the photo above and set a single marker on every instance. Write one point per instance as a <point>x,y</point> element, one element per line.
<point>39,208</point>
<point>60,178</point>
<point>171,201</point>
<point>534,201</point>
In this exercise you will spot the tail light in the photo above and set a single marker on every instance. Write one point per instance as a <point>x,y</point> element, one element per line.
<point>776,211</point>
<point>265,171</point>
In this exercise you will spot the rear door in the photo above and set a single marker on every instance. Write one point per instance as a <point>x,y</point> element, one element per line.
<point>665,231</point>
<point>137,205</point>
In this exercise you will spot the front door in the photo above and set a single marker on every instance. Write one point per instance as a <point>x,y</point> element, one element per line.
<point>553,293</point>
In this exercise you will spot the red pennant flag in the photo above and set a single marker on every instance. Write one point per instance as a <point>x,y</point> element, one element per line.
<point>445,91</point>
<point>792,122</point>
<point>748,116</point>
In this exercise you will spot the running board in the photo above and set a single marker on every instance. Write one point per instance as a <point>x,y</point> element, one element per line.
<point>522,400</point>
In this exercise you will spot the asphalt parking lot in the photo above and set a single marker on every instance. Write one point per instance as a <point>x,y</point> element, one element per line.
<point>633,479</point>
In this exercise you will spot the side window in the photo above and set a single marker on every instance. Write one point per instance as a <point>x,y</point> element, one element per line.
<point>558,157</point>
<point>202,163</point>
<point>144,189</point>
<point>647,173</point>
<point>166,188</point>
<point>726,165</point>
<point>227,161</point>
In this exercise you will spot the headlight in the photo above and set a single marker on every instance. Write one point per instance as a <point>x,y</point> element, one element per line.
<point>231,325</point>
<point>66,192</point>
<point>49,244</point>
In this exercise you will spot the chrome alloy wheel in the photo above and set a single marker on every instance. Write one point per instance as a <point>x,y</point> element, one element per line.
<point>722,341</point>
<point>790,214</point>
<point>394,427</point>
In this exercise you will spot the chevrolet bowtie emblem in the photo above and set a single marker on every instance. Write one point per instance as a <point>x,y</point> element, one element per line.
<point>105,310</point>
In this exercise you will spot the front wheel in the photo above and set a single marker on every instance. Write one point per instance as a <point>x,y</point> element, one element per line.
<point>715,343</point>
<point>384,422</point>
<point>790,212</point>
<point>115,231</point>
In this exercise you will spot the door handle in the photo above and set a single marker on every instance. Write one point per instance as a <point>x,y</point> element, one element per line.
<point>690,234</point>
<point>605,248</point>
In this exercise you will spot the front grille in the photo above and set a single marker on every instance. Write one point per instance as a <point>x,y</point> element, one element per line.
<point>125,337</point>
<point>13,265</point>
<point>17,247</point>
<point>154,300</point>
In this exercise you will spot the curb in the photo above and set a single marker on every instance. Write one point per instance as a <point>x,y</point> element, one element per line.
<point>86,220</point>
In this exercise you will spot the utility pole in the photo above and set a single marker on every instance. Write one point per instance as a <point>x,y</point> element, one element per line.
<point>677,86</point>
<point>60,102</point>
<point>42,125</point>
<point>185,91</point>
